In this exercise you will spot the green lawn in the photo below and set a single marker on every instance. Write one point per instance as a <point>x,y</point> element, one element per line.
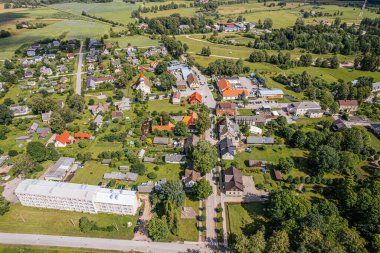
<point>136,40</point>
<point>22,219</point>
<point>245,112</point>
<point>37,249</point>
<point>241,215</point>
<point>184,12</point>
<point>165,106</point>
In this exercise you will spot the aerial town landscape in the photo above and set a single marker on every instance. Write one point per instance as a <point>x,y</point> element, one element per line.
<point>243,126</point>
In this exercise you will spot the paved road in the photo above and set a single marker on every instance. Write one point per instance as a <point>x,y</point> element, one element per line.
<point>99,243</point>
<point>211,204</point>
<point>78,86</point>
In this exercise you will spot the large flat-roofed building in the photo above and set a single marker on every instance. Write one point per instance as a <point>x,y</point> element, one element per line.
<point>58,171</point>
<point>76,197</point>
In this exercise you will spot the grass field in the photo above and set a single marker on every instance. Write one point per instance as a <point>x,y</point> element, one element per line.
<point>165,106</point>
<point>184,12</point>
<point>36,249</point>
<point>239,216</point>
<point>22,219</point>
<point>117,11</point>
<point>74,29</point>
<point>137,41</point>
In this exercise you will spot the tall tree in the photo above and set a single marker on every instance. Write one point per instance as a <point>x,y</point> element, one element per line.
<point>205,157</point>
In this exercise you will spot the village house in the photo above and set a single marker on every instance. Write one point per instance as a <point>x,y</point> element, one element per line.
<point>31,52</point>
<point>256,120</point>
<point>59,170</point>
<point>46,116</point>
<point>63,139</point>
<point>123,105</point>
<point>229,129</point>
<point>195,98</point>
<point>33,127</point>
<point>226,109</point>
<point>257,163</point>
<point>43,132</point>
<point>376,87</point>
<point>101,107</point>
<point>192,81</point>
<point>233,182</point>
<point>117,115</point>
<point>18,110</point>
<point>190,177</point>
<point>227,149</point>
<point>348,105</point>
<point>230,91</point>
<point>190,119</point>
<point>303,108</point>
<point>92,82</point>
<point>46,71</point>
<point>161,127</point>
<point>175,158</point>
<point>28,73</point>
<point>190,143</point>
<point>70,56</point>
<point>176,98</point>
<point>82,136</point>
<point>161,141</point>
<point>98,121</point>
<point>339,124</point>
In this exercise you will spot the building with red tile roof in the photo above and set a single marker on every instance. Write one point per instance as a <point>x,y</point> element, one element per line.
<point>228,91</point>
<point>190,119</point>
<point>195,98</point>
<point>81,135</point>
<point>63,139</point>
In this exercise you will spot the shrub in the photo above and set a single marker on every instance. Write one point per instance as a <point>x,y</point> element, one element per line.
<point>151,175</point>
<point>138,168</point>
<point>289,179</point>
<point>202,218</point>
<point>219,209</point>
<point>260,186</point>
<point>156,168</point>
<point>12,152</point>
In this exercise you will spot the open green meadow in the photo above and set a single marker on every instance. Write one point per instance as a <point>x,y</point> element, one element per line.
<point>38,249</point>
<point>23,219</point>
<point>185,12</point>
<point>136,41</point>
<point>241,215</point>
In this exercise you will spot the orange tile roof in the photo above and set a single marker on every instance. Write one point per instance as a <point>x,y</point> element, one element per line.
<point>195,96</point>
<point>224,85</point>
<point>190,119</point>
<point>65,137</point>
<point>81,135</point>
<point>167,127</point>
<point>234,93</point>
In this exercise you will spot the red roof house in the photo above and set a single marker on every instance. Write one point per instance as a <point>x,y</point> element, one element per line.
<point>81,135</point>
<point>63,139</point>
<point>195,98</point>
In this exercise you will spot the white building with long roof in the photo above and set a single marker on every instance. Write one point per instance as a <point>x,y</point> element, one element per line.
<point>76,197</point>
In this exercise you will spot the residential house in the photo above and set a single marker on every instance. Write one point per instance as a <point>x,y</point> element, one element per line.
<point>46,71</point>
<point>260,140</point>
<point>270,93</point>
<point>190,143</point>
<point>229,129</point>
<point>227,149</point>
<point>70,56</point>
<point>190,119</point>
<point>278,175</point>
<point>3,159</point>
<point>339,124</point>
<point>146,187</point>
<point>63,139</point>
<point>82,136</point>
<point>33,127</point>
<point>93,82</point>
<point>106,162</point>
<point>18,110</point>
<point>43,132</point>
<point>123,105</point>
<point>303,108</point>
<point>24,138</point>
<point>176,98</point>
<point>175,158</point>
<point>31,52</point>
<point>226,109</point>
<point>229,91</point>
<point>46,116</point>
<point>117,115</point>
<point>161,141</point>
<point>143,84</point>
<point>190,177</point>
<point>101,107</point>
<point>98,121</point>
<point>28,73</point>
<point>148,159</point>
<point>59,170</point>
<point>256,120</point>
<point>376,87</point>
<point>195,98</point>
<point>233,182</point>
<point>348,105</point>
<point>184,27</point>
<point>192,81</point>
<point>124,167</point>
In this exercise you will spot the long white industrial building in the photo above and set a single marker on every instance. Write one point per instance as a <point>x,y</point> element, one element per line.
<point>76,197</point>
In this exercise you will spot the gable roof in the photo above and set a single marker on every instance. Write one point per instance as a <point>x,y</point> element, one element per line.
<point>233,179</point>
<point>82,135</point>
<point>348,102</point>
<point>195,96</point>
<point>190,119</point>
<point>65,137</point>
